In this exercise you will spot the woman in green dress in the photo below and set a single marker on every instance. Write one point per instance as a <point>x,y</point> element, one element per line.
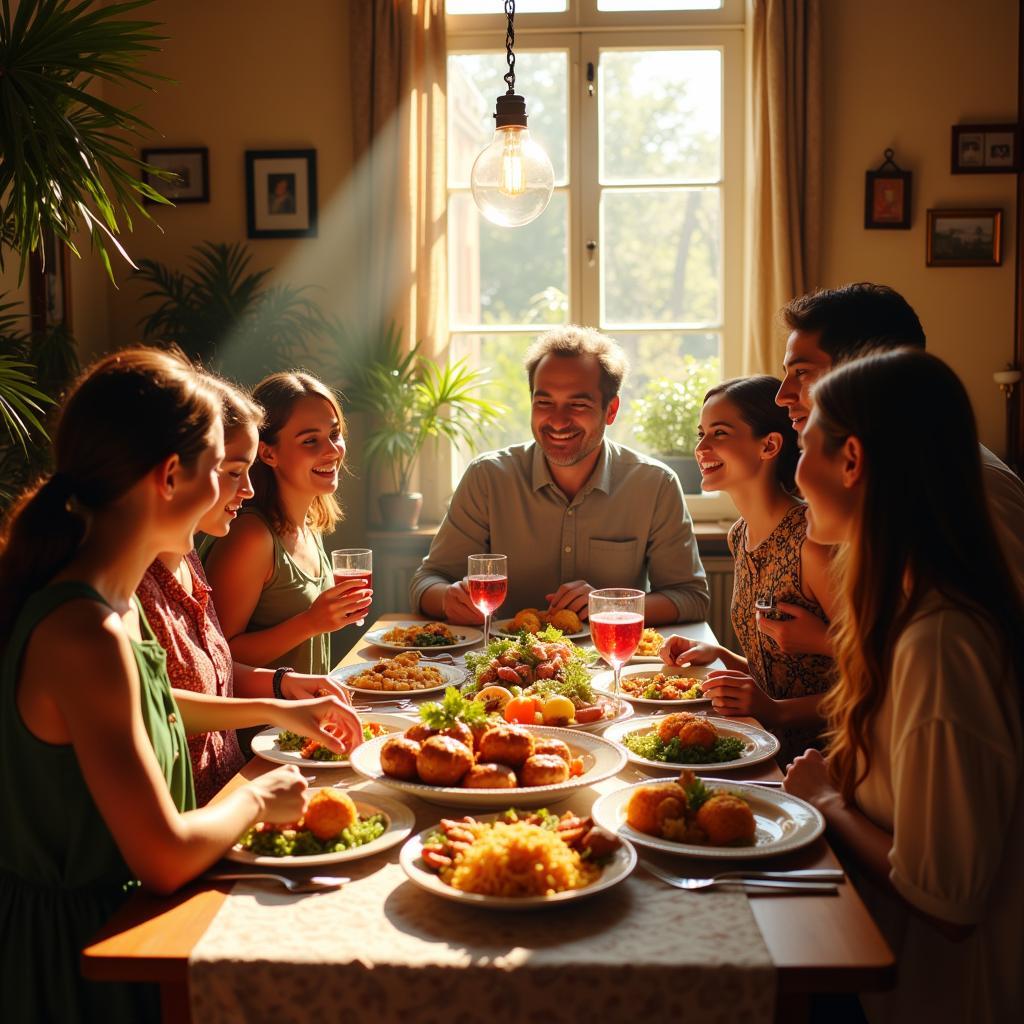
<point>95,782</point>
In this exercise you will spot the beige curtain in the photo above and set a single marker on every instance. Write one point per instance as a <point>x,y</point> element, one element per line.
<point>784,158</point>
<point>398,61</point>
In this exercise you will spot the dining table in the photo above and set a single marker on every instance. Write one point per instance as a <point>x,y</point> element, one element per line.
<point>811,943</point>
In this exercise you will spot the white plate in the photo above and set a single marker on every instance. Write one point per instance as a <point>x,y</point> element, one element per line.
<point>400,822</point>
<point>603,682</point>
<point>601,760</point>
<point>450,676</point>
<point>758,745</point>
<point>264,744</point>
<point>504,629</point>
<point>784,823</point>
<point>467,636</point>
<point>616,870</point>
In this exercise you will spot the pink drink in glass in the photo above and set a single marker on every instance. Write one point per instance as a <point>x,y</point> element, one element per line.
<point>616,635</point>
<point>341,575</point>
<point>487,592</point>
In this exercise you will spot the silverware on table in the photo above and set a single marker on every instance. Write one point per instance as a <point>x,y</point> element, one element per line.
<point>318,883</point>
<point>385,705</point>
<point>748,882</point>
<point>773,783</point>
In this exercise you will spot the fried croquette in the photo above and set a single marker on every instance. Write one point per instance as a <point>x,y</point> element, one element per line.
<point>698,733</point>
<point>443,761</point>
<point>670,725</point>
<point>398,758</point>
<point>528,619</point>
<point>544,770</point>
<point>459,731</point>
<point>727,820</point>
<point>490,776</point>
<point>329,812</point>
<point>506,744</point>
<point>420,732</point>
<point>550,745</point>
<point>566,620</point>
<point>642,809</point>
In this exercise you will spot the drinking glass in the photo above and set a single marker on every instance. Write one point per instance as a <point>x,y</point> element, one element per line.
<point>353,563</point>
<point>488,584</point>
<point>616,623</point>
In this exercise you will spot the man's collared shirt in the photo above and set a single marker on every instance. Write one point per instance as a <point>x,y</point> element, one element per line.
<point>627,527</point>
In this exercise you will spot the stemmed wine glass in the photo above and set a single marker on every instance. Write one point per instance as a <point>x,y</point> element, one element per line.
<point>616,623</point>
<point>488,584</point>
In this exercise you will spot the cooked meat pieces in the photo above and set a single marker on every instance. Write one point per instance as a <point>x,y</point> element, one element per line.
<point>443,761</point>
<point>398,758</point>
<point>506,744</point>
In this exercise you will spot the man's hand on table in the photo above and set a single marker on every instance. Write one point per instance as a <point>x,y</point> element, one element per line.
<point>458,608</point>
<point>573,596</point>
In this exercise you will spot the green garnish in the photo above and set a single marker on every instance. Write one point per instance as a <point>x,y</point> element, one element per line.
<point>290,740</point>
<point>302,842</point>
<point>651,747</point>
<point>453,708</point>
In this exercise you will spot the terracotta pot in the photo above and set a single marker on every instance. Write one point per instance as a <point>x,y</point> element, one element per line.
<point>401,511</point>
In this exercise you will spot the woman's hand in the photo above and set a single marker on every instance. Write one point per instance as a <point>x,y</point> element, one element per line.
<point>678,650</point>
<point>736,693</point>
<point>297,686</point>
<point>326,720</point>
<point>338,606</point>
<point>803,633</point>
<point>808,777</point>
<point>282,795</point>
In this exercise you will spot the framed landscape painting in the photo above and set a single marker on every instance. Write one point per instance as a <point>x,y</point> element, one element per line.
<point>190,166</point>
<point>964,238</point>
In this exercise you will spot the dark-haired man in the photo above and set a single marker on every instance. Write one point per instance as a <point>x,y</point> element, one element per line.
<point>572,510</point>
<point>831,326</point>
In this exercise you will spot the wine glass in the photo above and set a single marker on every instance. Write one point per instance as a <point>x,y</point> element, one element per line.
<point>616,624</point>
<point>353,563</point>
<point>488,584</point>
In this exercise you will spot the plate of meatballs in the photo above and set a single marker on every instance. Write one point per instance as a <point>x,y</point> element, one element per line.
<point>490,767</point>
<point>689,819</point>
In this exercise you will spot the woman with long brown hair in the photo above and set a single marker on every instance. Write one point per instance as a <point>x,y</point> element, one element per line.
<point>95,783</point>
<point>272,581</point>
<point>922,782</point>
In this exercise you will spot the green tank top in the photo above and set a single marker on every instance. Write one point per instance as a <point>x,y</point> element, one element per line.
<point>61,873</point>
<point>288,593</point>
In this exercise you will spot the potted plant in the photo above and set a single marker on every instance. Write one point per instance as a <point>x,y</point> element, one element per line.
<point>666,416</point>
<point>411,399</point>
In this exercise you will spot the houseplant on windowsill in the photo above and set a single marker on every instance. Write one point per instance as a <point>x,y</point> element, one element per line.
<point>412,399</point>
<point>667,414</point>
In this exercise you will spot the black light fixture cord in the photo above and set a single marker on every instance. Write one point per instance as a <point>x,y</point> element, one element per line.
<point>510,41</point>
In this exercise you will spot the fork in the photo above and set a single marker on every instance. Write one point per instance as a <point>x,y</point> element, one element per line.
<point>318,883</point>
<point>390,705</point>
<point>764,886</point>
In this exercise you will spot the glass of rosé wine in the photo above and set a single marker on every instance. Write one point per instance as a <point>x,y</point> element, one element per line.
<point>616,622</point>
<point>488,584</point>
<point>353,563</point>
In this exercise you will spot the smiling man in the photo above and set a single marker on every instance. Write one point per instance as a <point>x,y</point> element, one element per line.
<point>572,510</point>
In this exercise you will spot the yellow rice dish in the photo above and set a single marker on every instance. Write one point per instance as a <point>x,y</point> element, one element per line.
<point>517,859</point>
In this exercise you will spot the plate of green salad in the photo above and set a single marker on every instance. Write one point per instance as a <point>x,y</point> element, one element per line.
<point>284,747</point>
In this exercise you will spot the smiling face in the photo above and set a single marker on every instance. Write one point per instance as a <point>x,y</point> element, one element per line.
<point>235,487</point>
<point>728,453</point>
<point>568,418</point>
<point>309,450</point>
<point>832,484</point>
<point>805,363</point>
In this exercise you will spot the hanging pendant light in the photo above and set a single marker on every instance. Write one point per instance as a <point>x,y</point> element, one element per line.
<point>512,178</point>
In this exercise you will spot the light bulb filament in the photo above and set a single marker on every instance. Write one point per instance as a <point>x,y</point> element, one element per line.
<point>512,183</point>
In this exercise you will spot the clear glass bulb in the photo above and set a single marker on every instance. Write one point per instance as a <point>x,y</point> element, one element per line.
<point>512,178</point>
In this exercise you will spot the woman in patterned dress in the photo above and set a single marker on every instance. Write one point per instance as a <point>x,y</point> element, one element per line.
<point>747,448</point>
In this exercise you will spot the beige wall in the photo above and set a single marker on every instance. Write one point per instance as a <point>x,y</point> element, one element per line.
<point>899,74</point>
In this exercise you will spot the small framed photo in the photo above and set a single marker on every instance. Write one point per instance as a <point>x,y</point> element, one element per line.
<point>985,149</point>
<point>964,238</point>
<point>887,199</point>
<point>280,186</point>
<point>190,167</point>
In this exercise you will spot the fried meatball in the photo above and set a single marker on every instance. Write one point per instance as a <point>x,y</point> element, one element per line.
<point>566,620</point>
<point>420,732</point>
<point>459,731</point>
<point>727,820</point>
<point>328,812</point>
<point>698,733</point>
<point>528,619</point>
<point>398,758</point>
<point>671,724</point>
<point>544,770</point>
<point>551,745</point>
<point>443,761</point>
<point>642,810</point>
<point>490,776</point>
<point>506,744</point>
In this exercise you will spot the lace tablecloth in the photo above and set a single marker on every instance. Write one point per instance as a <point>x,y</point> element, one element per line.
<point>381,950</point>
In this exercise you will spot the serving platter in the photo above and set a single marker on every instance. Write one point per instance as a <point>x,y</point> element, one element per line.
<point>264,744</point>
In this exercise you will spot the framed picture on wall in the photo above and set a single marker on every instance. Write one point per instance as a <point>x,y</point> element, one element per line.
<point>190,167</point>
<point>964,238</point>
<point>280,187</point>
<point>985,148</point>
<point>887,196</point>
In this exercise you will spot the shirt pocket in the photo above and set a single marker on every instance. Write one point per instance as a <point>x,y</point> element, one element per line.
<point>615,563</point>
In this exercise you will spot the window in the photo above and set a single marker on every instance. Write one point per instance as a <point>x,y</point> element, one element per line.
<point>642,237</point>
